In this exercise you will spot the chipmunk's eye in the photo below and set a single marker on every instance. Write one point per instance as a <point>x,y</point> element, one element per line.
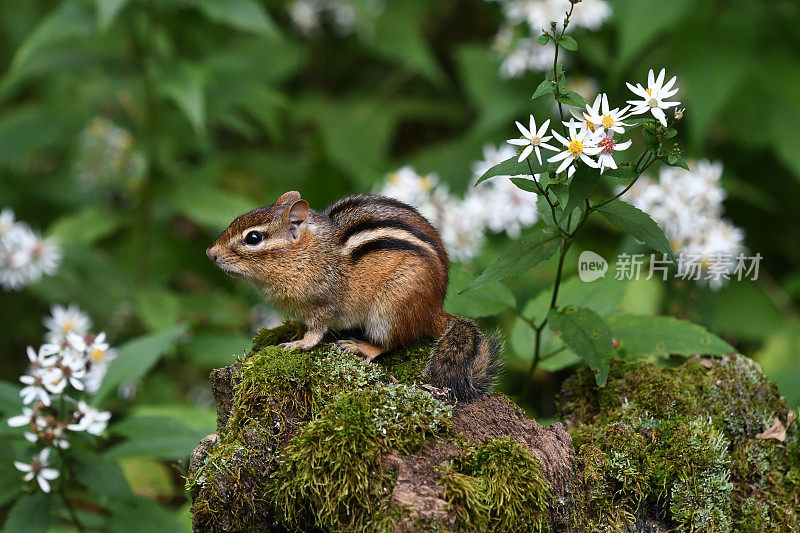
<point>253,237</point>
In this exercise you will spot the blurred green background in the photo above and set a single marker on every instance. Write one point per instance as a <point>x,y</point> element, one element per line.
<point>134,131</point>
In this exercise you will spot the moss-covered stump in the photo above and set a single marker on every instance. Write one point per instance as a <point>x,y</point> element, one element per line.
<point>323,441</point>
<point>707,446</point>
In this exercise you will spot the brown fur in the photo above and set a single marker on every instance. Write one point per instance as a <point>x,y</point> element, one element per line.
<point>366,262</point>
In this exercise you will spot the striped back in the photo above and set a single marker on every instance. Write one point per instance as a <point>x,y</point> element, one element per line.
<point>367,224</point>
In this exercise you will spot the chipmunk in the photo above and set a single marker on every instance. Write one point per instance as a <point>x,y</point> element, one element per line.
<point>366,262</point>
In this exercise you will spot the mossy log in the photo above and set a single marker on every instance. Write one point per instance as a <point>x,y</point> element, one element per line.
<point>323,441</point>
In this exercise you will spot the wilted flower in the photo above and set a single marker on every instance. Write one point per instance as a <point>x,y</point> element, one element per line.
<point>90,419</point>
<point>38,469</point>
<point>608,145</point>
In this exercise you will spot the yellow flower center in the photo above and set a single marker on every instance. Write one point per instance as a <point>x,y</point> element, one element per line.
<point>607,121</point>
<point>426,184</point>
<point>535,141</point>
<point>589,124</point>
<point>575,147</point>
<point>98,354</point>
<point>68,326</point>
<point>652,102</point>
<point>394,178</point>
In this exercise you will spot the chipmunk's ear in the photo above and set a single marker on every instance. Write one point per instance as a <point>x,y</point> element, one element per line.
<point>296,215</point>
<point>288,198</point>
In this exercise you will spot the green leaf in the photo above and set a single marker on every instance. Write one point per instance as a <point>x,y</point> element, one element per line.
<point>216,349</point>
<point>546,87</point>
<point>243,15</point>
<point>573,99</point>
<point>10,402</point>
<point>184,84</point>
<point>157,307</point>
<point>102,476</point>
<point>143,516</point>
<point>544,39</point>
<point>512,167</point>
<point>488,300</point>
<point>637,223</point>
<point>641,336</point>
<point>84,227</point>
<point>526,184</point>
<point>399,36</point>
<point>107,12</point>
<point>519,257</point>
<point>69,20</point>
<point>33,513</point>
<point>159,437</point>
<point>210,206</point>
<point>136,358</point>
<point>568,43</point>
<point>639,22</point>
<point>586,334</point>
<point>583,183</point>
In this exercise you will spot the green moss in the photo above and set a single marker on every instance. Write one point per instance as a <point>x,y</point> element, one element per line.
<point>498,486</point>
<point>330,475</point>
<point>228,469</point>
<point>319,422</point>
<point>286,332</point>
<point>678,444</point>
<point>407,365</point>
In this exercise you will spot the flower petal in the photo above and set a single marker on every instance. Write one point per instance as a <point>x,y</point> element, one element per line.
<point>558,157</point>
<point>659,114</point>
<point>564,164</point>
<point>525,153</point>
<point>522,130</point>
<point>518,142</point>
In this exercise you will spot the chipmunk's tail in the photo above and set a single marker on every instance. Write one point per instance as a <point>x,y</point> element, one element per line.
<point>464,359</point>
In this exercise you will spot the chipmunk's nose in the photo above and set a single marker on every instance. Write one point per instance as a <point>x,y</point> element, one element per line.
<point>212,254</point>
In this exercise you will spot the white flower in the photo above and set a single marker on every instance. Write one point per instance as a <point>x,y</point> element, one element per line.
<point>90,419</point>
<point>609,119</point>
<point>608,146</point>
<point>524,20</point>
<point>35,389</point>
<point>27,417</point>
<point>69,371</point>
<point>409,187</point>
<point>533,139</point>
<point>6,220</point>
<point>66,320</point>
<point>688,207</point>
<point>38,469</point>
<point>580,145</point>
<point>654,96</point>
<point>44,358</point>
<point>24,255</point>
<point>492,155</point>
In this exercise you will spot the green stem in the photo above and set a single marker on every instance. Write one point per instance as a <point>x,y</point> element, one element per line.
<point>143,226</point>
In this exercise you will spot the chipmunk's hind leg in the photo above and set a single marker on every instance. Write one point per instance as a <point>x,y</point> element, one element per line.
<point>366,349</point>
